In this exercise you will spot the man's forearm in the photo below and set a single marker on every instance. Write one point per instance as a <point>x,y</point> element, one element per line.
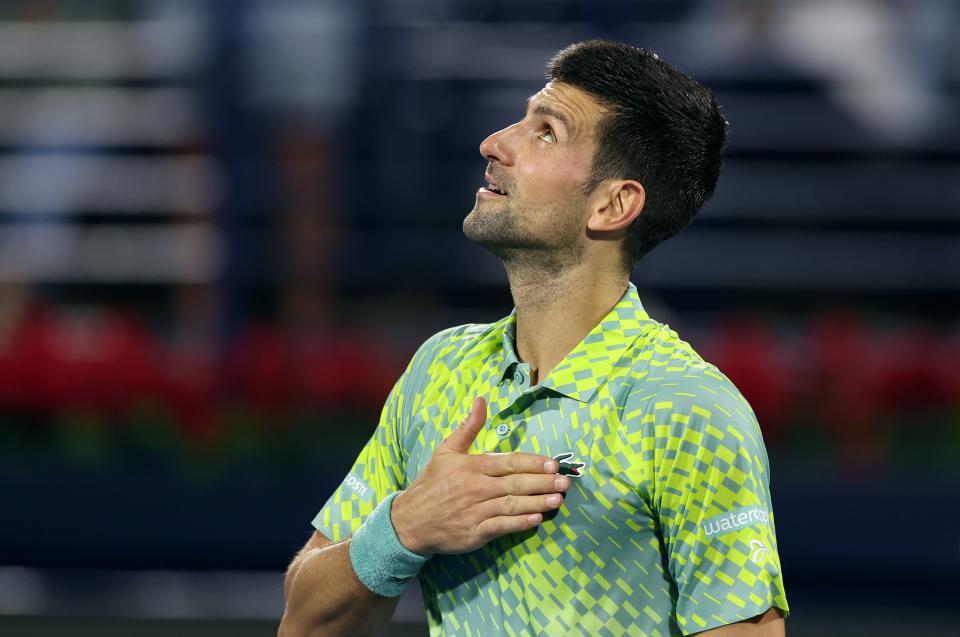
<point>768,624</point>
<point>325,597</point>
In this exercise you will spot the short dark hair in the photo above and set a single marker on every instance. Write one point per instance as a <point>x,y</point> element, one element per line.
<point>662,128</point>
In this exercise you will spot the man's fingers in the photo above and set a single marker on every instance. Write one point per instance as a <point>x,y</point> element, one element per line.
<point>505,524</point>
<point>528,484</point>
<point>464,435</point>
<point>503,464</point>
<point>511,505</point>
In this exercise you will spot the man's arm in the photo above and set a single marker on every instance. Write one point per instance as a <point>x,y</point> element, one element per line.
<point>458,503</point>
<point>769,624</point>
<point>711,494</point>
<point>322,591</point>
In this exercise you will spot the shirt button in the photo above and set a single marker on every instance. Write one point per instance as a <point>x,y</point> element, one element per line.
<point>503,429</point>
<point>518,377</point>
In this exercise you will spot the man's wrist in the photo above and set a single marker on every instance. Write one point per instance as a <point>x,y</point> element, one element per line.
<point>400,521</point>
<point>380,561</point>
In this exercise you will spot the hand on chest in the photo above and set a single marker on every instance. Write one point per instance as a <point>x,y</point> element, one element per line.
<point>585,440</point>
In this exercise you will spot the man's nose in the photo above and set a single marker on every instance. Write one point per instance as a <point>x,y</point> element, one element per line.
<point>498,147</point>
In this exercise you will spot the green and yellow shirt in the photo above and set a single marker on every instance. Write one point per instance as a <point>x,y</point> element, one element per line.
<point>667,531</point>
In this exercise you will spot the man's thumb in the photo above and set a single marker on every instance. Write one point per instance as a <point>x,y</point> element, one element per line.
<point>464,435</point>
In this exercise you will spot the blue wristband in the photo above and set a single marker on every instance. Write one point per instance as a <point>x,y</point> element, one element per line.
<point>381,562</point>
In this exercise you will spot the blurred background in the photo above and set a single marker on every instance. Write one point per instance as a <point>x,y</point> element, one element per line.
<point>226,225</point>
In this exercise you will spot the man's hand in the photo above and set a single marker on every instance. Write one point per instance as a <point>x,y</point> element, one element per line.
<point>461,501</point>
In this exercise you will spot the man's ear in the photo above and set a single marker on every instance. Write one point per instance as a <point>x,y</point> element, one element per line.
<point>614,204</point>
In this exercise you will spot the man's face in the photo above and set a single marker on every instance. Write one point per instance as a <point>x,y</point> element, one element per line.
<point>540,164</point>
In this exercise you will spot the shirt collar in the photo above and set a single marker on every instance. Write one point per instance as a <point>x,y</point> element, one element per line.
<point>581,372</point>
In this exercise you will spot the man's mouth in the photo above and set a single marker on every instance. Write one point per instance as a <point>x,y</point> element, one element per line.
<point>494,188</point>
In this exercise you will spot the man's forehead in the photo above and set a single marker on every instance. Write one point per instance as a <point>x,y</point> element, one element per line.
<point>567,100</point>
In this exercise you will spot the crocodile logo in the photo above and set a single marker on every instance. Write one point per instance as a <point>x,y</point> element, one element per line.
<point>569,467</point>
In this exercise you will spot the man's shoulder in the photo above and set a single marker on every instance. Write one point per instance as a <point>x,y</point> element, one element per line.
<point>662,358</point>
<point>460,340</point>
<point>453,346</point>
<point>669,374</point>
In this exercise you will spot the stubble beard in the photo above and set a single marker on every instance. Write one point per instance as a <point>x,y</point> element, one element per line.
<point>524,252</point>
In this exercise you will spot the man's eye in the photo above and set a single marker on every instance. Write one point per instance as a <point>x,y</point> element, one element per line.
<point>548,136</point>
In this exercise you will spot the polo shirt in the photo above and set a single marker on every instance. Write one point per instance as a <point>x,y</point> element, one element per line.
<point>667,530</point>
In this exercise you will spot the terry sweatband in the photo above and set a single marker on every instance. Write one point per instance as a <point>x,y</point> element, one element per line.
<point>381,562</point>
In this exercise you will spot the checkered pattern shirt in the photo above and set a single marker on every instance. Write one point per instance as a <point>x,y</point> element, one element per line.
<point>668,529</point>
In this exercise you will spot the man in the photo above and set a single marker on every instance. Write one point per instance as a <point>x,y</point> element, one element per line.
<point>604,479</point>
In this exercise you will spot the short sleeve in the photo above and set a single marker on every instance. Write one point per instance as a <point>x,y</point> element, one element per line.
<point>712,497</point>
<point>379,470</point>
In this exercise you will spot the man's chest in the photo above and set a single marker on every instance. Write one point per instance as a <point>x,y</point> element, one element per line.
<point>605,505</point>
<point>597,551</point>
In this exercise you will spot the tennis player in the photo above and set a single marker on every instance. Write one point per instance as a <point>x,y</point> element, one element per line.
<point>574,468</point>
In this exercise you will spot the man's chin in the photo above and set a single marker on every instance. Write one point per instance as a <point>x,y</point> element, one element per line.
<point>499,241</point>
<point>472,229</point>
<point>494,228</point>
<point>485,206</point>
<point>481,222</point>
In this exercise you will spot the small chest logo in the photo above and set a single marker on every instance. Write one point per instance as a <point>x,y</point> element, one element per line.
<point>569,467</point>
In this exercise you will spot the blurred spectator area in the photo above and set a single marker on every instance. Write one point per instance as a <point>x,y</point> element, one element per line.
<point>258,146</point>
<point>226,226</point>
<point>223,188</point>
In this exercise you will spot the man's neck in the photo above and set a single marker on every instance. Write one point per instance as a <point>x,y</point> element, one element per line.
<point>556,311</point>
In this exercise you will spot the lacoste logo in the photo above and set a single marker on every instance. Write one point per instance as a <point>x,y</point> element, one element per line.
<point>568,467</point>
<point>359,487</point>
<point>758,551</point>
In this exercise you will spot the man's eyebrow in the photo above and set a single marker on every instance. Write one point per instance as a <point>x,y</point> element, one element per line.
<point>542,109</point>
